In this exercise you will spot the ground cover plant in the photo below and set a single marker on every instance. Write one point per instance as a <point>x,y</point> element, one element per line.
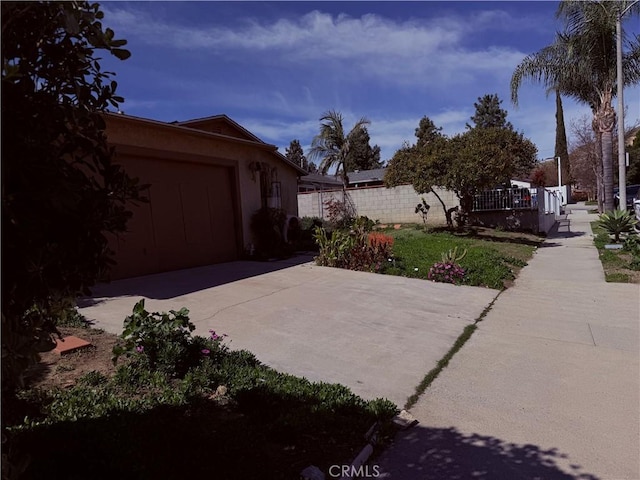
<point>620,266</point>
<point>492,258</point>
<point>221,414</point>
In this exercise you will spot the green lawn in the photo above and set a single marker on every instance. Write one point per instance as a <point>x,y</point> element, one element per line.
<point>618,265</point>
<point>492,260</point>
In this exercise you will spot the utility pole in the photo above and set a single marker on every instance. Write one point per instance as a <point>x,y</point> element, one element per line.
<point>622,169</point>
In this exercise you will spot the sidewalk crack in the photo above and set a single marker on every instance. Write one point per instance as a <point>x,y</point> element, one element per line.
<point>592,338</point>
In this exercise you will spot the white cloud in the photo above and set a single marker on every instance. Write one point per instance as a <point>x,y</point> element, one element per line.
<point>417,52</point>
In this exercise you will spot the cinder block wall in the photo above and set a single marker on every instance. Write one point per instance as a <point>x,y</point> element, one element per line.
<point>389,205</point>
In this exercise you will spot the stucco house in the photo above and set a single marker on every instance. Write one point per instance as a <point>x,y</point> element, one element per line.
<point>206,178</point>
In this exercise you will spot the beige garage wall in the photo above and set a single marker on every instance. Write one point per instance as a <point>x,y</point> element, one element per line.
<point>189,149</point>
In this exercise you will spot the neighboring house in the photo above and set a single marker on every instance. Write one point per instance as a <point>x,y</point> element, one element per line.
<point>314,182</point>
<point>366,178</point>
<point>206,178</point>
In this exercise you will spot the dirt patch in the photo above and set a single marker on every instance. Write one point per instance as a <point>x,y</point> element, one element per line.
<point>55,370</point>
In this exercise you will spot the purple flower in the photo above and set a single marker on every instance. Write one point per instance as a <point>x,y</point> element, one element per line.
<point>139,349</point>
<point>205,351</point>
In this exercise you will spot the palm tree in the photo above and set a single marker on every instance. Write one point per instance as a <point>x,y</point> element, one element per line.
<point>331,146</point>
<point>581,64</point>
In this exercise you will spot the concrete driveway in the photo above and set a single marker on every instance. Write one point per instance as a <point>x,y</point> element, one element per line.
<point>377,334</point>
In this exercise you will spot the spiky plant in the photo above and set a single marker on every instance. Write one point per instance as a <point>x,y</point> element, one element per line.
<point>617,222</point>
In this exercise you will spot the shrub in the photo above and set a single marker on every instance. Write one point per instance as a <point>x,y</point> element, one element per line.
<point>340,214</point>
<point>162,342</point>
<point>357,249</point>
<point>267,225</point>
<point>309,223</point>
<point>446,272</point>
<point>617,222</point>
<point>61,191</point>
<point>635,263</point>
<point>632,245</point>
<point>333,248</point>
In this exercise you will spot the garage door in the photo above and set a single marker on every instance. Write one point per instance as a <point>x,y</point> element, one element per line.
<point>190,220</point>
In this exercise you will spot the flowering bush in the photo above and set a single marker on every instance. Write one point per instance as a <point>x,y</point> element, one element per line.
<point>162,342</point>
<point>356,249</point>
<point>446,272</point>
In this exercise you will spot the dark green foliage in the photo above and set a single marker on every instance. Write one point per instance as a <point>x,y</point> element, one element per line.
<point>61,193</point>
<point>361,156</point>
<point>481,158</point>
<point>489,113</point>
<point>309,223</point>
<point>402,167</point>
<point>267,225</point>
<point>295,154</point>
<point>162,342</point>
<point>121,424</point>
<point>632,245</point>
<point>428,134</point>
<point>561,147</point>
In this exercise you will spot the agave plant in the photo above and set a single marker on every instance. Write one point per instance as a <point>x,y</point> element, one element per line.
<point>617,222</point>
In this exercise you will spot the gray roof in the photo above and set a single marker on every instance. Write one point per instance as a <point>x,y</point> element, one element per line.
<point>318,178</point>
<point>362,176</point>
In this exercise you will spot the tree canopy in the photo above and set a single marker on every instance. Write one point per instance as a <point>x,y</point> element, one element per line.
<point>489,113</point>
<point>483,157</point>
<point>61,193</point>
<point>361,155</point>
<point>295,153</point>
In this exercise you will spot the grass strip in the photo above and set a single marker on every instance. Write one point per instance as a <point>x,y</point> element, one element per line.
<point>444,361</point>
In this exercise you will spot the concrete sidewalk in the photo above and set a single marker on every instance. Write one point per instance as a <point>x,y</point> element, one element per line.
<point>547,387</point>
<point>376,334</point>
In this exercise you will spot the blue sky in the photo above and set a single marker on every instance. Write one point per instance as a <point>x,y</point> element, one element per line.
<point>276,67</point>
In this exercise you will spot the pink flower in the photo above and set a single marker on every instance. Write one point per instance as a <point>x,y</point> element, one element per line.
<point>205,351</point>
<point>139,349</point>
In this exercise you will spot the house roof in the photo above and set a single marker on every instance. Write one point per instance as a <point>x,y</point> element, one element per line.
<point>362,176</point>
<point>318,178</point>
<point>220,126</point>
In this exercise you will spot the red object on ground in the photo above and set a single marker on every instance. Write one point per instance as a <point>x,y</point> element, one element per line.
<point>70,344</point>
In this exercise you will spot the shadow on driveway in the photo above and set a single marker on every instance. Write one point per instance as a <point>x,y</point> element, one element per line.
<point>167,285</point>
<point>447,454</point>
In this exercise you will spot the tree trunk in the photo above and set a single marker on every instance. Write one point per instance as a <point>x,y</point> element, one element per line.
<point>448,212</point>
<point>604,121</point>
<point>598,172</point>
